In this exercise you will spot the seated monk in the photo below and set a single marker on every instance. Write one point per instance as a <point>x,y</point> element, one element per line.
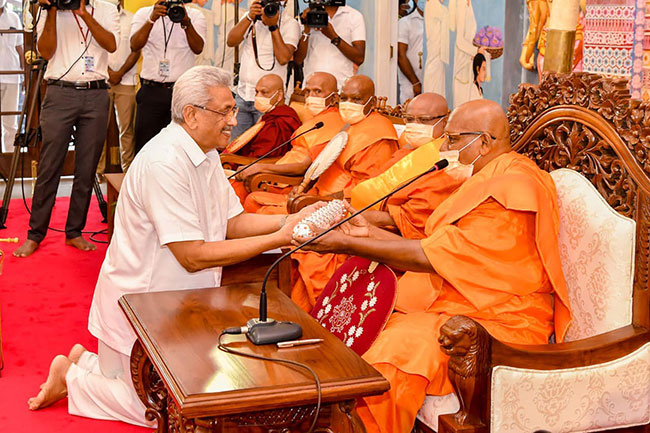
<point>321,100</point>
<point>372,140</point>
<point>408,209</point>
<point>491,253</point>
<point>280,120</point>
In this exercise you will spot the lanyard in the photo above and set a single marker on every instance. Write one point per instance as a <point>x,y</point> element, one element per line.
<point>253,32</point>
<point>165,38</point>
<point>92,13</point>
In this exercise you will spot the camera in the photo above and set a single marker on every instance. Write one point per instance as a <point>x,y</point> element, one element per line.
<point>175,10</point>
<point>271,7</point>
<point>317,16</point>
<point>64,5</point>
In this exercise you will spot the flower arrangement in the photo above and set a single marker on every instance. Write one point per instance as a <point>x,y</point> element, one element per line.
<point>491,38</point>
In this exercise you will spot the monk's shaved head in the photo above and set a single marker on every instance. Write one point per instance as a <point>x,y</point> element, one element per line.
<point>428,104</point>
<point>358,88</point>
<point>271,86</point>
<point>481,128</point>
<point>321,84</point>
<point>272,81</point>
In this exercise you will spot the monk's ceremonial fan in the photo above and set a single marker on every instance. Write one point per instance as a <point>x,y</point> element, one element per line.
<point>327,156</point>
<point>244,138</point>
<point>357,302</point>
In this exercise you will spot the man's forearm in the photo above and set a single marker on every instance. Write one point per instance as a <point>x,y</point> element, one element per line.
<point>236,34</point>
<point>139,38</point>
<point>47,41</point>
<point>353,53</point>
<point>407,69</point>
<point>294,169</point>
<point>246,225</point>
<point>301,51</point>
<point>194,40</point>
<point>404,254</point>
<point>104,38</point>
<point>130,62</point>
<point>281,50</point>
<point>379,218</point>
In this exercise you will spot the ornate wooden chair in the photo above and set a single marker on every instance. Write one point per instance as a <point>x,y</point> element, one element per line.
<point>594,139</point>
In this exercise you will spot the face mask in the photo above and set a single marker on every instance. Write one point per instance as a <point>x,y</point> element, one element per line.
<point>262,104</point>
<point>456,169</point>
<point>352,112</point>
<point>421,4</point>
<point>316,104</point>
<point>417,134</point>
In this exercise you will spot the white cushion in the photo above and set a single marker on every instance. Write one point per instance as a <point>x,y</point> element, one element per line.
<point>615,394</point>
<point>436,405</point>
<point>597,253</point>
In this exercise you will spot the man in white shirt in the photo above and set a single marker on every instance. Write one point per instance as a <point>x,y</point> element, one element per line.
<point>438,24</point>
<point>11,59</point>
<point>410,30</point>
<point>122,78</point>
<point>177,222</point>
<point>336,48</point>
<point>76,45</point>
<point>168,50</point>
<point>268,45</point>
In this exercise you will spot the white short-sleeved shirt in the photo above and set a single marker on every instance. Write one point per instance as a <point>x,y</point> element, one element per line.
<point>323,56</point>
<point>172,192</point>
<point>250,73</point>
<point>70,44</point>
<point>178,53</point>
<point>9,60</point>
<point>411,32</point>
<point>117,59</point>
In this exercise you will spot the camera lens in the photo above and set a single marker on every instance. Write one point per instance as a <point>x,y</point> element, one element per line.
<point>176,13</point>
<point>271,9</point>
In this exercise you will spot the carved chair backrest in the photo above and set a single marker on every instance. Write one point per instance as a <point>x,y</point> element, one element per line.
<point>590,124</point>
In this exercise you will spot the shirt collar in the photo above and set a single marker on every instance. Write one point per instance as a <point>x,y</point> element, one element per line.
<point>192,150</point>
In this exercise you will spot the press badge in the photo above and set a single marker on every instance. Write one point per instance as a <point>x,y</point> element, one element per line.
<point>163,68</point>
<point>89,63</point>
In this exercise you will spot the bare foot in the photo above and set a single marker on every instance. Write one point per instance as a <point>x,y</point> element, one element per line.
<point>55,388</point>
<point>26,249</point>
<point>80,243</point>
<point>76,352</point>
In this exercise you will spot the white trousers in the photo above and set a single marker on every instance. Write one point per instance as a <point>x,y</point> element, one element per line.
<point>9,102</point>
<point>99,387</point>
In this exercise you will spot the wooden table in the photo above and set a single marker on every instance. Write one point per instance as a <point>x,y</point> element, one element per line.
<point>189,385</point>
<point>113,186</point>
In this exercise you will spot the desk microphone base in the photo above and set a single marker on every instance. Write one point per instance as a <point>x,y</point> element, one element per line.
<point>271,332</point>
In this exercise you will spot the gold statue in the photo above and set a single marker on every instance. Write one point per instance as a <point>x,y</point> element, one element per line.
<point>538,15</point>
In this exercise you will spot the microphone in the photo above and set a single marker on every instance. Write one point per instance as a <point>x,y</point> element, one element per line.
<point>319,125</point>
<point>267,331</point>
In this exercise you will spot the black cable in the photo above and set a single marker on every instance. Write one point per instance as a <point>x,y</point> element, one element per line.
<point>281,361</point>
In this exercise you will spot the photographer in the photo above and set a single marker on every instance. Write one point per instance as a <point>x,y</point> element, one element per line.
<point>269,41</point>
<point>336,48</point>
<point>76,45</point>
<point>168,49</point>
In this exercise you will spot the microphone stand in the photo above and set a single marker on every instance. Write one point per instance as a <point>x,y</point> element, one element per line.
<point>267,331</point>
<point>319,125</point>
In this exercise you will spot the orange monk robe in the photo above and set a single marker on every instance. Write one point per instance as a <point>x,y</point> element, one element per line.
<point>309,144</point>
<point>410,208</point>
<point>371,143</point>
<point>493,246</point>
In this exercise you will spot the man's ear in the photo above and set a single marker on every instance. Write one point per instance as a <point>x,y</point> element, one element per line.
<point>372,103</point>
<point>189,116</point>
<point>487,143</point>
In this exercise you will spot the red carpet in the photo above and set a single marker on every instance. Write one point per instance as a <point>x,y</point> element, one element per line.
<point>44,302</point>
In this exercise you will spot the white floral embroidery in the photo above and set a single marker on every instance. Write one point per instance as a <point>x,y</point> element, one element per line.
<point>320,313</point>
<point>326,300</point>
<point>351,331</point>
<point>343,278</point>
<point>373,301</point>
<point>350,342</point>
<point>371,285</point>
<point>328,308</point>
<point>364,306</point>
<point>355,275</point>
<point>344,287</point>
<point>359,332</point>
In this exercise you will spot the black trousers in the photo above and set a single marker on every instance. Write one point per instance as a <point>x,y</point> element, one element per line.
<point>154,112</point>
<point>66,111</point>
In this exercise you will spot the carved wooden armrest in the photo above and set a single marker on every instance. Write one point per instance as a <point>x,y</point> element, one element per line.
<point>264,181</point>
<point>230,161</point>
<point>296,204</point>
<point>473,353</point>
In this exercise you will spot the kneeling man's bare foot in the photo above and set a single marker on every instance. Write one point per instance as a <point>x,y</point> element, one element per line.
<point>76,352</point>
<point>26,249</point>
<point>54,389</point>
<point>80,243</point>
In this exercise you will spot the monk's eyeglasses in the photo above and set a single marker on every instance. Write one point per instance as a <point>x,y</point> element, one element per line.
<point>452,137</point>
<point>228,114</point>
<point>423,119</point>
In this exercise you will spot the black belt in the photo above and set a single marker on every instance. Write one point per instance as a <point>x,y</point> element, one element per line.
<point>79,85</point>
<point>156,83</point>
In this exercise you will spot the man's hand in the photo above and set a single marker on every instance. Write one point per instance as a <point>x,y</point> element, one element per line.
<point>296,191</point>
<point>249,172</point>
<point>272,21</point>
<point>185,22</point>
<point>46,4</point>
<point>358,227</point>
<point>417,88</point>
<point>330,243</point>
<point>114,77</point>
<point>159,10</point>
<point>328,31</point>
<point>81,12</point>
<point>255,9</point>
<point>307,29</point>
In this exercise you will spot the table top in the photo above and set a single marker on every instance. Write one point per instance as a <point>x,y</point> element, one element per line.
<point>179,332</point>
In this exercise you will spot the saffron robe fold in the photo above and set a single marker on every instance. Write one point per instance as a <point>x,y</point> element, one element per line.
<point>493,245</point>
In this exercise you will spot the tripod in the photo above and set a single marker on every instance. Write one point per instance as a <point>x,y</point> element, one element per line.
<point>23,140</point>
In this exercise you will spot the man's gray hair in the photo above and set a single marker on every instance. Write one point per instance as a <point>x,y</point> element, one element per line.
<point>192,88</point>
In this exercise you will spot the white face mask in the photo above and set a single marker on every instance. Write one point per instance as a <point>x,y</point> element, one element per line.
<point>456,169</point>
<point>262,104</point>
<point>417,134</point>
<point>352,112</point>
<point>317,104</point>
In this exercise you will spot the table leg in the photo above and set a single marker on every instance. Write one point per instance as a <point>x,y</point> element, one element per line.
<point>345,418</point>
<point>150,387</point>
